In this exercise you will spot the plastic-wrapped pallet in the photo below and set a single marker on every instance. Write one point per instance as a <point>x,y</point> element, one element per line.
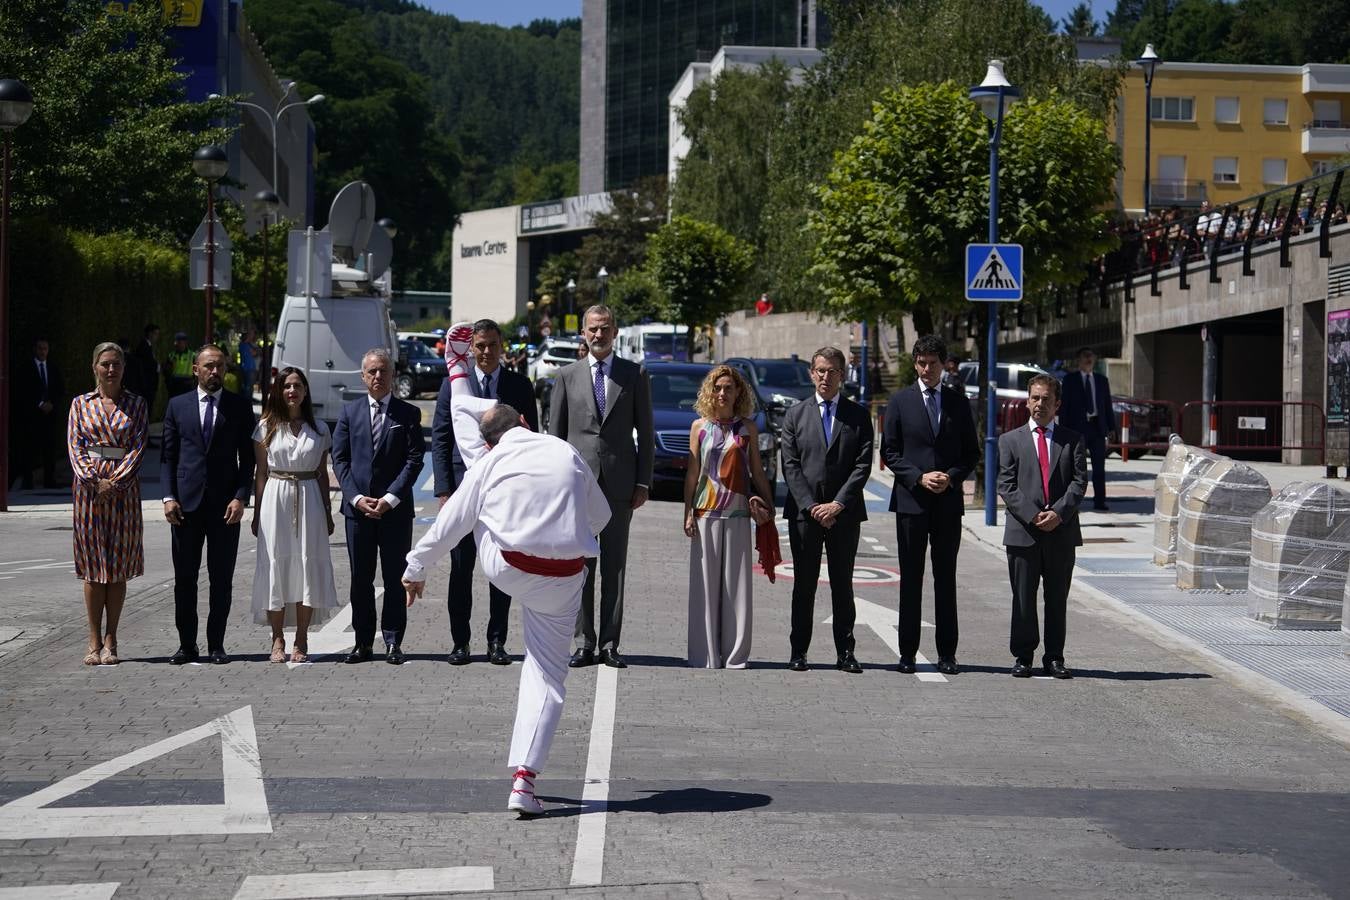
<point>1300,556</point>
<point>1214,528</point>
<point>1182,465</point>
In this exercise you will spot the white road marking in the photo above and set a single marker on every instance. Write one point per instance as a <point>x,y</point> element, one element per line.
<point>429,482</point>
<point>19,562</point>
<point>332,637</point>
<point>366,883</point>
<point>884,621</point>
<point>588,863</point>
<point>243,812</point>
<point>868,495</point>
<point>90,891</point>
<point>869,539</point>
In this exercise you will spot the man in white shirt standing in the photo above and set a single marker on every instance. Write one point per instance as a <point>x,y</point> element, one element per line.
<point>534,509</point>
<point>1042,477</point>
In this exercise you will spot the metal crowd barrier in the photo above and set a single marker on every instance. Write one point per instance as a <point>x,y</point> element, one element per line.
<point>1253,426</point>
<point>1144,425</point>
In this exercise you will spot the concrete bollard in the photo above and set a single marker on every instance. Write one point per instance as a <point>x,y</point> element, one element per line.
<point>1181,465</point>
<point>1214,526</point>
<point>1300,557</point>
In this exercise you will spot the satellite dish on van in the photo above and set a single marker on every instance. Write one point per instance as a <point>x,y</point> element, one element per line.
<point>379,253</point>
<point>351,219</point>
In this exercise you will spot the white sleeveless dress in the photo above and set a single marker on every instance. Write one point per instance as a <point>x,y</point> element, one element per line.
<point>294,561</point>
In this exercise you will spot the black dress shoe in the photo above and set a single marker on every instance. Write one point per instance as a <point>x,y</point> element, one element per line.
<point>393,654</point>
<point>459,655</point>
<point>581,659</point>
<point>906,666</point>
<point>947,665</point>
<point>497,654</point>
<point>1101,506</point>
<point>184,656</point>
<point>1021,669</point>
<point>612,659</point>
<point>848,663</point>
<point>359,654</point>
<point>219,657</point>
<point>797,663</point>
<point>1056,670</point>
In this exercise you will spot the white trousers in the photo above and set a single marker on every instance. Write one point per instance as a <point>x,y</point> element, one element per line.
<point>720,593</point>
<point>548,608</point>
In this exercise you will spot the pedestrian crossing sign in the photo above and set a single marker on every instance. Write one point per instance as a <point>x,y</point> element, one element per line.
<point>994,272</point>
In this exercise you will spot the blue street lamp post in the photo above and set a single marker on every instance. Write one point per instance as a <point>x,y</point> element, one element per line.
<point>993,95</point>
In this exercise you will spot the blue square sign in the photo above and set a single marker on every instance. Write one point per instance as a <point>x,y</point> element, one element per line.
<point>994,272</point>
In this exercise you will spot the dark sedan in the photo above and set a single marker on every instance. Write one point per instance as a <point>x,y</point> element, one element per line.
<point>674,390</point>
<point>423,372</point>
<point>778,383</point>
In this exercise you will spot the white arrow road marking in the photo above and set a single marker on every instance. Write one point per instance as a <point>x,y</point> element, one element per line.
<point>588,862</point>
<point>868,495</point>
<point>100,891</point>
<point>884,621</point>
<point>365,883</point>
<point>429,482</point>
<point>243,812</point>
<point>333,637</point>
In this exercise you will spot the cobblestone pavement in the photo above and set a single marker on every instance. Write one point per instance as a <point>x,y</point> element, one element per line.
<point>1153,773</point>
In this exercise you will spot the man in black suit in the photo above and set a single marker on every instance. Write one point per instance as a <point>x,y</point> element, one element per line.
<point>930,446</point>
<point>1042,478</point>
<point>39,415</point>
<point>1087,410</point>
<point>377,455</point>
<point>826,443</point>
<point>143,367</point>
<point>490,379</point>
<point>207,471</point>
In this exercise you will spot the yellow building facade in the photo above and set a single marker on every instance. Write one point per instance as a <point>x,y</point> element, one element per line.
<point>1222,133</point>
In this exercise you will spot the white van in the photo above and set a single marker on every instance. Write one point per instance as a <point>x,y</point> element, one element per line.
<point>654,341</point>
<point>343,327</point>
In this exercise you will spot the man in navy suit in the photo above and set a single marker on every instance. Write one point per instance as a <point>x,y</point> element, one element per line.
<point>207,471</point>
<point>490,379</point>
<point>377,455</point>
<point>1086,409</point>
<point>930,446</point>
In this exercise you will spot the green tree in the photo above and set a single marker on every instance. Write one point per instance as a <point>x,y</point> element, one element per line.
<point>1080,22</point>
<point>700,268</point>
<point>110,142</point>
<point>912,190</point>
<point>619,242</point>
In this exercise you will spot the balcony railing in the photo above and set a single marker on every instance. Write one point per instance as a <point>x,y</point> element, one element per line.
<point>1177,193</point>
<point>1326,138</point>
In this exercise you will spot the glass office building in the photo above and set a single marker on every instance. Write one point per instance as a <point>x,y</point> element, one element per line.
<point>633,52</point>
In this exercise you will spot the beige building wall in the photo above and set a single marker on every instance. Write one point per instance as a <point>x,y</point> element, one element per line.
<point>489,276</point>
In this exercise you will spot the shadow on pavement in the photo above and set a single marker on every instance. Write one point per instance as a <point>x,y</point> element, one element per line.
<point>680,800</point>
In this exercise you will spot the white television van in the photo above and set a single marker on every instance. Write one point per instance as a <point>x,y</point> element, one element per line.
<point>654,341</point>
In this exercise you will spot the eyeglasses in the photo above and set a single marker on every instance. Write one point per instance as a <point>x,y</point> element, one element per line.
<point>825,373</point>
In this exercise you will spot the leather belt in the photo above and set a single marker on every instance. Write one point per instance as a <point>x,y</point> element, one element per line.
<point>295,478</point>
<point>103,451</point>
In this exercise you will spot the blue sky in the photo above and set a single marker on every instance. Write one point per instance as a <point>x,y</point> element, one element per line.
<point>521,12</point>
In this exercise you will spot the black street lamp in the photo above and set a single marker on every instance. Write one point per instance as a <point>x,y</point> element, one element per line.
<point>571,289</point>
<point>268,203</point>
<point>210,164</point>
<point>1149,62</point>
<point>16,105</point>
<point>603,277</point>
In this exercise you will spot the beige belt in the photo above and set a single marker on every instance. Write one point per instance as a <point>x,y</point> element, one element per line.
<point>105,452</point>
<point>294,478</point>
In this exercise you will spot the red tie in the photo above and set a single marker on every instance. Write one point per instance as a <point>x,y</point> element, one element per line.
<point>1044,453</point>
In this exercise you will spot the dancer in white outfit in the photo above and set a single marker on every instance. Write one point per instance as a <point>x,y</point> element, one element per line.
<point>534,509</point>
<point>293,582</point>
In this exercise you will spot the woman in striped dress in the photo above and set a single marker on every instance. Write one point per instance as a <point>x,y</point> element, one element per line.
<point>106,435</point>
<point>719,503</point>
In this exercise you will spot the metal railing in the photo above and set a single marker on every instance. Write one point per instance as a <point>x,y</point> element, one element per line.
<point>1256,426</point>
<point>1144,425</point>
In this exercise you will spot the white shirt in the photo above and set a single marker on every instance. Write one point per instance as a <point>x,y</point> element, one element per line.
<point>531,493</point>
<point>201,405</point>
<point>937,396</point>
<point>495,375</point>
<point>1049,433</point>
<point>383,404</point>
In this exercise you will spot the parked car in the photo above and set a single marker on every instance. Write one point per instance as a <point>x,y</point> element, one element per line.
<point>778,383</point>
<point>554,353</point>
<point>1012,379</point>
<point>1149,424</point>
<point>674,390</point>
<point>430,338</point>
<point>422,371</point>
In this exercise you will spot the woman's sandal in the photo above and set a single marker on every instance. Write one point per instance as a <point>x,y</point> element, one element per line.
<point>300,655</point>
<point>91,658</point>
<point>109,656</point>
<point>278,651</point>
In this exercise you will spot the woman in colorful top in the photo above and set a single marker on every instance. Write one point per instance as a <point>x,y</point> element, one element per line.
<point>105,438</point>
<point>719,505</point>
<point>292,517</point>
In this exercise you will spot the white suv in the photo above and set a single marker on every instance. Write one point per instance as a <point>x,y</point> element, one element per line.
<point>554,353</point>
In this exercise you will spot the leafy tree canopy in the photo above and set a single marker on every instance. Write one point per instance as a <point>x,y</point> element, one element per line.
<point>700,268</point>
<point>1253,32</point>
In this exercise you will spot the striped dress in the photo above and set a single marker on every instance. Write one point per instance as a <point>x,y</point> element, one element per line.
<point>107,532</point>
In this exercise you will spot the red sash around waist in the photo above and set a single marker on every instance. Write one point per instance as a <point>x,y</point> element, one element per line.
<point>539,565</point>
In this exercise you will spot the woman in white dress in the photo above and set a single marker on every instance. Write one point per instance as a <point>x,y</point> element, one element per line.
<point>293,583</point>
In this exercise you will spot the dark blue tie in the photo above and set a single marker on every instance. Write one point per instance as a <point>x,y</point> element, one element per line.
<point>826,422</point>
<point>600,389</point>
<point>209,420</point>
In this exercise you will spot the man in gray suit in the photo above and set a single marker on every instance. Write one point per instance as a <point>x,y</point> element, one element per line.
<point>827,459</point>
<point>1042,477</point>
<point>598,402</point>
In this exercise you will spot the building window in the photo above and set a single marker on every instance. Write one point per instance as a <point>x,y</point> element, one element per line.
<point>1226,110</point>
<point>1274,171</point>
<point>1225,169</point>
<point>1327,114</point>
<point>1173,109</point>
<point>1323,166</point>
<point>1276,112</point>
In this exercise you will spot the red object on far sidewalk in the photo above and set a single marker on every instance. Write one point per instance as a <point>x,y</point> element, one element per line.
<point>763,306</point>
